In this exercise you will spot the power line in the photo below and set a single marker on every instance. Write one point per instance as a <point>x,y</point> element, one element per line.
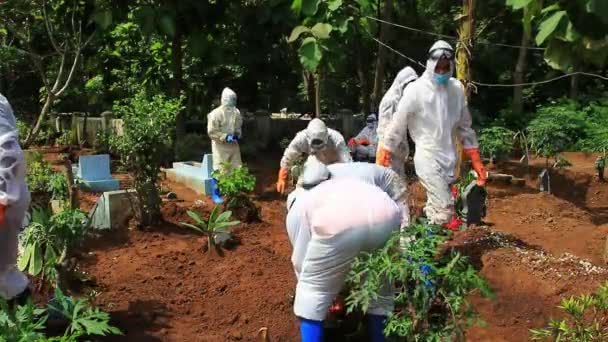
<point>480,41</point>
<point>500,85</point>
<point>399,53</point>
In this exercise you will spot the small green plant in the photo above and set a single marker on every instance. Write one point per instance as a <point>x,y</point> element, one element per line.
<point>102,142</point>
<point>149,123</point>
<point>84,319</point>
<point>432,287</point>
<point>47,242</point>
<point>65,139</point>
<point>600,165</point>
<point>586,319</point>
<point>496,142</point>
<point>27,323</point>
<point>237,184</point>
<point>217,223</point>
<point>39,173</point>
<point>58,186</point>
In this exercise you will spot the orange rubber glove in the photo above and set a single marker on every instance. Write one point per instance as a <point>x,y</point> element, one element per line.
<point>2,213</point>
<point>473,154</point>
<point>363,142</point>
<point>352,142</point>
<point>282,180</point>
<point>383,156</point>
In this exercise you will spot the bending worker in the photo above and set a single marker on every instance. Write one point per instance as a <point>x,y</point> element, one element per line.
<point>388,107</point>
<point>317,141</point>
<point>14,201</point>
<point>432,107</point>
<point>328,226</point>
<point>365,144</point>
<point>224,127</point>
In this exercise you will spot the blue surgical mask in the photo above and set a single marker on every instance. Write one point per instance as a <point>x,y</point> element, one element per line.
<point>441,78</point>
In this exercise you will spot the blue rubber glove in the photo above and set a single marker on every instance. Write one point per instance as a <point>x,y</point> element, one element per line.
<point>376,325</point>
<point>311,331</point>
<point>230,139</point>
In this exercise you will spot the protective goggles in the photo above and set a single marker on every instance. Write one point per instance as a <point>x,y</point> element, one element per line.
<point>371,121</point>
<point>317,144</point>
<point>441,53</point>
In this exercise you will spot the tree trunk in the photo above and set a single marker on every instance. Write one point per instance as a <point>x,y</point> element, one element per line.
<point>362,72</point>
<point>36,128</point>
<point>309,80</point>
<point>463,70</point>
<point>574,84</point>
<point>177,63</point>
<point>387,15</point>
<point>318,95</point>
<point>518,75</point>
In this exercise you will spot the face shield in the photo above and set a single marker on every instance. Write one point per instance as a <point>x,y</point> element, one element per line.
<point>317,135</point>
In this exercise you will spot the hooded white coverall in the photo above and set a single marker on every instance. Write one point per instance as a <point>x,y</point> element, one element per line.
<point>432,111</point>
<point>222,122</point>
<point>328,226</point>
<point>15,196</point>
<point>388,108</point>
<point>369,132</point>
<point>318,142</point>
<point>334,150</point>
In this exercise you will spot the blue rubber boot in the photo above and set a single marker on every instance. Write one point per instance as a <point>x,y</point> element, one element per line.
<point>376,327</point>
<point>311,331</point>
<point>215,192</point>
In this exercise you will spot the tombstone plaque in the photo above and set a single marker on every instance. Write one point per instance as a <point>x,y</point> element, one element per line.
<point>474,203</point>
<point>543,181</point>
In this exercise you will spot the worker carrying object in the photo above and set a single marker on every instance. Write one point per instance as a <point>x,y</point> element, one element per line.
<point>224,127</point>
<point>329,226</point>
<point>388,108</point>
<point>432,107</point>
<point>318,142</point>
<point>14,201</point>
<point>364,145</point>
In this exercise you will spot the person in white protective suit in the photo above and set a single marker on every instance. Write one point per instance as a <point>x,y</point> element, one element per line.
<point>224,127</point>
<point>432,107</point>
<point>328,227</point>
<point>388,108</point>
<point>364,145</point>
<point>317,141</point>
<point>14,201</point>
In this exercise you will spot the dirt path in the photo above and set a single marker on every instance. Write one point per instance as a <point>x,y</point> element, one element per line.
<point>537,249</point>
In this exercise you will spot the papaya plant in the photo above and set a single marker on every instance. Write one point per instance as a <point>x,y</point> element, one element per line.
<point>432,285</point>
<point>216,224</point>
<point>496,142</point>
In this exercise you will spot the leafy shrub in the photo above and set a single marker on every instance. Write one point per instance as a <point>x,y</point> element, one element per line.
<point>58,186</point>
<point>555,130</point>
<point>217,223</point>
<point>149,123</point>
<point>237,184</point>
<point>66,138</point>
<point>24,130</point>
<point>191,147</point>
<point>39,172</point>
<point>431,294</point>
<point>27,323</point>
<point>586,319</point>
<point>47,240</point>
<point>496,142</point>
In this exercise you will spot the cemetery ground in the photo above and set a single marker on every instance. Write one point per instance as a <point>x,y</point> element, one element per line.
<point>158,285</point>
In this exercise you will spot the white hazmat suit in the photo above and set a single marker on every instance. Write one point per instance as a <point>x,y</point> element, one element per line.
<point>328,227</point>
<point>432,111</point>
<point>224,127</point>
<point>14,200</point>
<point>365,144</point>
<point>317,141</point>
<point>388,108</point>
